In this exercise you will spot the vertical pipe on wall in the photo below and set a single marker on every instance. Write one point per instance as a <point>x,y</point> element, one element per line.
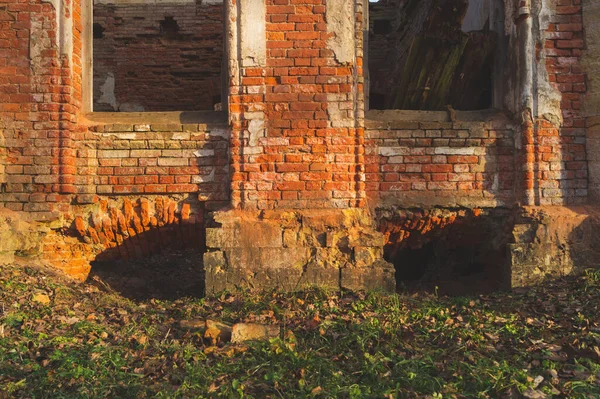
<point>526,103</point>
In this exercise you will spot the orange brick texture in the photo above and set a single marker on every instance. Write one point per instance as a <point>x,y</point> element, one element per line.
<point>40,93</point>
<point>127,229</point>
<point>296,138</point>
<point>465,163</point>
<point>561,173</point>
<point>304,160</point>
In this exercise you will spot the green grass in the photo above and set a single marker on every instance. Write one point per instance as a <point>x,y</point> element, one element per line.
<point>92,343</point>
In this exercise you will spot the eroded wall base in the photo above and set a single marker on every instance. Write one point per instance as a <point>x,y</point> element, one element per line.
<point>553,242</point>
<point>458,250</point>
<point>290,250</point>
<point>503,247</point>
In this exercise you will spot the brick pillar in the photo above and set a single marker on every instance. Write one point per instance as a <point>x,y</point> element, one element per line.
<point>39,111</point>
<point>298,141</point>
<point>296,110</point>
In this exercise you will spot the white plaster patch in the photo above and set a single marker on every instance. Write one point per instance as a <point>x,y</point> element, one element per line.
<point>38,41</point>
<point>549,97</point>
<point>253,33</point>
<point>393,151</point>
<point>204,178</point>
<point>204,153</point>
<point>107,91</point>
<point>256,130</point>
<point>64,27</point>
<point>252,150</point>
<point>340,23</point>
<point>456,150</point>
<point>254,115</point>
<point>338,116</point>
<point>141,128</point>
<point>180,136</point>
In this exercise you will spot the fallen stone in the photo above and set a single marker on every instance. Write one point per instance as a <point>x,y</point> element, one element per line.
<point>534,394</point>
<point>249,332</point>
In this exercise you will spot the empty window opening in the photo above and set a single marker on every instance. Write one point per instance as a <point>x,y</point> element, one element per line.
<point>157,56</point>
<point>435,54</point>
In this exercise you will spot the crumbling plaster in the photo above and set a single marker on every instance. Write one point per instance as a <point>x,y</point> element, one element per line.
<point>108,92</point>
<point>529,92</point>
<point>252,26</point>
<point>340,26</point>
<point>64,26</point>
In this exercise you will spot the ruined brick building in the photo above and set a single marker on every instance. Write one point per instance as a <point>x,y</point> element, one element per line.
<point>302,142</point>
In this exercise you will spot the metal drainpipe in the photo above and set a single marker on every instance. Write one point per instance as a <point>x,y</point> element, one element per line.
<point>527,98</point>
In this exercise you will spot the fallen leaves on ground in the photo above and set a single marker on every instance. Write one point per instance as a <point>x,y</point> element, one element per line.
<point>60,339</point>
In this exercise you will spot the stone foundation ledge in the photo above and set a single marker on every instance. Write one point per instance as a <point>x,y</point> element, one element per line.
<point>29,242</point>
<point>553,241</point>
<point>19,236</point>
<point>291,250</point>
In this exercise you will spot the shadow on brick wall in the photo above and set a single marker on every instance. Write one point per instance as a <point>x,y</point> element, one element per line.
<point>449,251</point>
<point>147,248</point>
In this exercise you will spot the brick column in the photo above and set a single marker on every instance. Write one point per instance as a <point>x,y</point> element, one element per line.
<point>296,112</point>
<point>297,140</point>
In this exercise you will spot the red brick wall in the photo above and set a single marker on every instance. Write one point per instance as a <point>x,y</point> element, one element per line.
<point>154,158</point>
<point>312,154</point>
<point>39,98</point>
<point>155,69</point>
<point>562,175</point>
<point>305,160</point>
<point>440,163</point>
<point>50,156</point>
<point>552,158</point>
